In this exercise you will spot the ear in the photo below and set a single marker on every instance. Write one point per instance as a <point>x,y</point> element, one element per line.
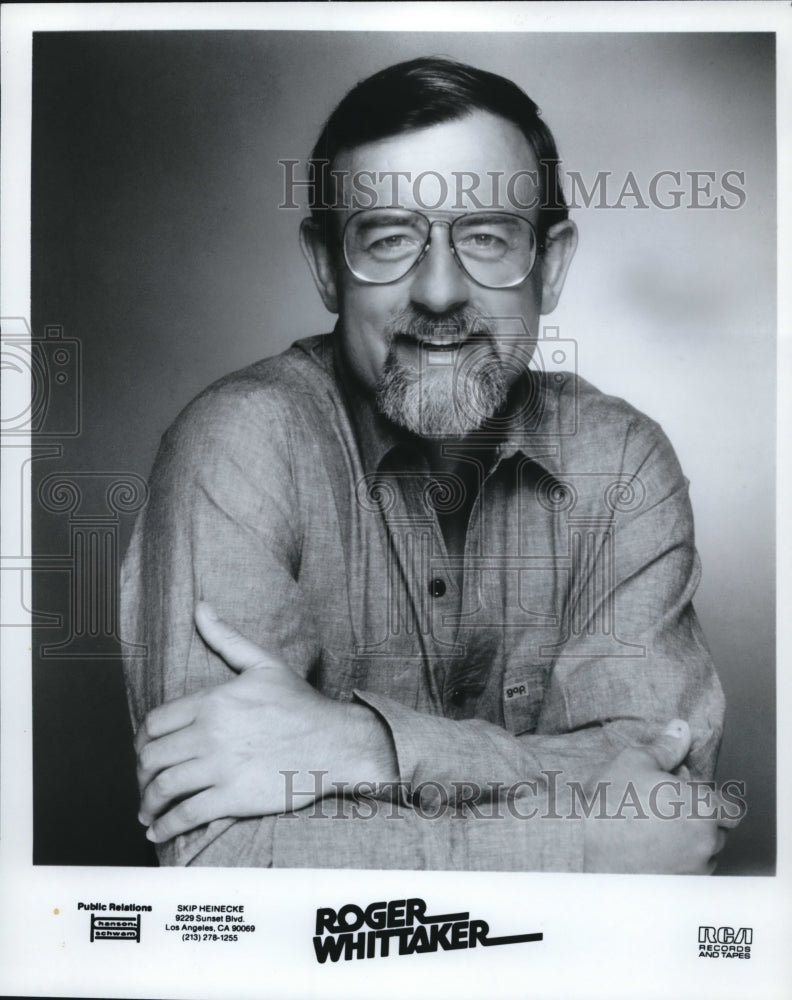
<point>320,261</point>
<point>560,245</point>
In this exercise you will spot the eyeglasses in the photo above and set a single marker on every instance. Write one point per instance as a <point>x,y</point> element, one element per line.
<point>495,249</point>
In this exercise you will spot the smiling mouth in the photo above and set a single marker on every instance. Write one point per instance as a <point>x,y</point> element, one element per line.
<point>440,345</point>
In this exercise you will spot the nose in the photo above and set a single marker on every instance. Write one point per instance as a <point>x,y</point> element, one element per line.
<point>439,284</point>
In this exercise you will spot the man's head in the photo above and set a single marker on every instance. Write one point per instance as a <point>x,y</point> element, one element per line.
<point>447,238</point>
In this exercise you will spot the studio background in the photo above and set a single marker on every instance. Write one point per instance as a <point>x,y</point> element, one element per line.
<point>158,245</point>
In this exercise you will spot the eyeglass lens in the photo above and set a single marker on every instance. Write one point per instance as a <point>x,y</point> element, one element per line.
<point>496,249</point>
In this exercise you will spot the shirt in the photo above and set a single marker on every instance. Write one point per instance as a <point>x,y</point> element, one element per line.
<point>563,634</point>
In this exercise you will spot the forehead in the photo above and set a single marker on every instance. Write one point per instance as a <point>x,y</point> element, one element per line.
<point>460,165</point>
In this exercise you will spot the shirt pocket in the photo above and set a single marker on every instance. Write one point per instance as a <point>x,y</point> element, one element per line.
<point>523,694</point>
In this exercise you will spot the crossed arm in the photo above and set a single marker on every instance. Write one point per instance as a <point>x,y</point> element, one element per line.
<point>213,754</point>
<point>233,712</point>
<point>221,747</point>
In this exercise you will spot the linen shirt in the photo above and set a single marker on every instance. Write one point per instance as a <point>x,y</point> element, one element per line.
<point>563,634</point>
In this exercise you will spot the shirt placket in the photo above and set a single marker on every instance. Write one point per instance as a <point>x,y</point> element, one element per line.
<point>468,675</point>
<point>421,572</point>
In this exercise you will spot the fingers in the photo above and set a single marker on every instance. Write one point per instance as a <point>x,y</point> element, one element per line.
<point>238,652</point>
<point>710,842</point>
<point>726,819</point>
<point>171,785</point>
<point>176,748</point>
<point>731,811</point>
<point>167,718</point>
<point>187,815</point>
<point>705,802</point>
<point>717,844</point>
<point>672,746</point>
<point>720,843</point>
<point>698,847</point>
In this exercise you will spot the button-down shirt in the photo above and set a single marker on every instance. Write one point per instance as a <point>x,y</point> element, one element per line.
<point>562,634</point>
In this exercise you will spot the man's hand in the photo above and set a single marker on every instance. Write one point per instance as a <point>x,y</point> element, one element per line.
<point>681,826</point>
<point>219,752</point>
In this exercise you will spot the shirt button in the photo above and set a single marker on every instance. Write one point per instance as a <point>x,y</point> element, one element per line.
<point>437,587</point>
<point>458,695</point>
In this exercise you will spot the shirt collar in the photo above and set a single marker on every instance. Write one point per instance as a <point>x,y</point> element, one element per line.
<point>532,430</point>
<point>535,426</point>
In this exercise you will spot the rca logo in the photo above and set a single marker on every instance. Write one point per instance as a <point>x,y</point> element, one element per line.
<point>725,942</point>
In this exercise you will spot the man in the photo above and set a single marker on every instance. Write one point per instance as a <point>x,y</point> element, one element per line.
<point>409,603</point>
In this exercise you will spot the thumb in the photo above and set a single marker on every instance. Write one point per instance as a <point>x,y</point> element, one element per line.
<point>237,651</point>
<point>671,747</point>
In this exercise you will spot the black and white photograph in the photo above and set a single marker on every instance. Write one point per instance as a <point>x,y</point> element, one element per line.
<point>390,493</point>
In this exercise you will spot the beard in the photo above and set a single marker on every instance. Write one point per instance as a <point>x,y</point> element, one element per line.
<point>446,395</point>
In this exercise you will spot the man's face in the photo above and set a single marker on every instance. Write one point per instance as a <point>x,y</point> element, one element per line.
<point>437,350</point>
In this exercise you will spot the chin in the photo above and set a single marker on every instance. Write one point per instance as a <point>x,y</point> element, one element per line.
<point>439,405</point>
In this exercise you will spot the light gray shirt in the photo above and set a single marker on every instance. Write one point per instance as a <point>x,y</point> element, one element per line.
<point>282,498</point>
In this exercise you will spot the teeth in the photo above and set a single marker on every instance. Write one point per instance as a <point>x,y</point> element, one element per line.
<point>444,343</point>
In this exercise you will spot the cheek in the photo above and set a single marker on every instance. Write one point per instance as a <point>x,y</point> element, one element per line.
<point>364,313</point>
<point>527,302</point>
<point>516,309</point>
<point>516,321</point>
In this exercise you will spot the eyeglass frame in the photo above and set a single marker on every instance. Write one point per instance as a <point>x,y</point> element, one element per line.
<point>540,244</point>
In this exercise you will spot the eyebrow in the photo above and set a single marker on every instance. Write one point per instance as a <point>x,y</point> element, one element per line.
<point>385,218</point>
<point>503,218</point>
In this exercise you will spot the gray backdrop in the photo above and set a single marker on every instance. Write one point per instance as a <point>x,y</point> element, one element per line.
<point>158,245</point>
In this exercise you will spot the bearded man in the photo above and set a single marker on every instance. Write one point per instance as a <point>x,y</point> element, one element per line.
<point>410,598</point>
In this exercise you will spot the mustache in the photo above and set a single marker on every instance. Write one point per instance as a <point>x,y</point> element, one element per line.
<point>461,324</point>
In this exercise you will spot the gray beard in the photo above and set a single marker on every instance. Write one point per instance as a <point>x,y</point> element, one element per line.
<point>444,400</point>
